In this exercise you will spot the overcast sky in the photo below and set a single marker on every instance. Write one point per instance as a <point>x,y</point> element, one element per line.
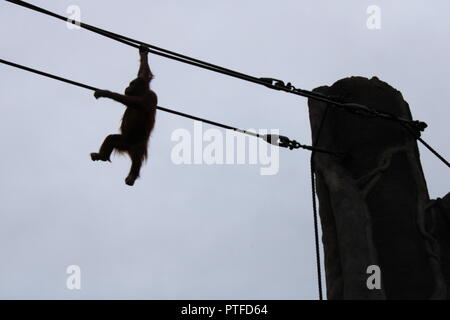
<point>189,231</point>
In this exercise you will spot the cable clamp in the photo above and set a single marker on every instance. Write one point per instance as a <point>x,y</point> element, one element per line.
<point>281,141</point>
<point>278,84</point>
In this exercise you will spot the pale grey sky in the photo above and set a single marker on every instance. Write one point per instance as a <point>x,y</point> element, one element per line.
<point>188,232</point>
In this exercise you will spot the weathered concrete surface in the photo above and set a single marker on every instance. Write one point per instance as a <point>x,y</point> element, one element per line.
<point>438,225</point>
<point>373,201</point>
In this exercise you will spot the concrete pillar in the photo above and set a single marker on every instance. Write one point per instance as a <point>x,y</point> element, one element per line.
<point>373,201</point>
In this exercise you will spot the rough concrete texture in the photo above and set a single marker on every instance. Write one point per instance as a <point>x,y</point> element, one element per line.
<point>373,201</point>
<point>438,225</point>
